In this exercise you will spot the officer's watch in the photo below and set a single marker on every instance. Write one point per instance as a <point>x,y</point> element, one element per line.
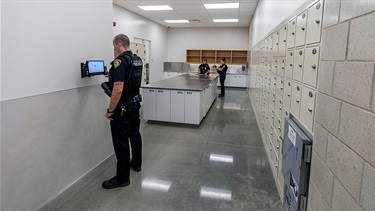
<point>109,112</point>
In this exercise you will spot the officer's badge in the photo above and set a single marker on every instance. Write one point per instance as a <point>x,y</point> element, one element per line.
<point>116,63</point>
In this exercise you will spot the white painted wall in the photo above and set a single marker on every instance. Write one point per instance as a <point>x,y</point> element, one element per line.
<point>180,39</point>
<point>44,42</point>
<point>134,25</point>
<point>269,14</point>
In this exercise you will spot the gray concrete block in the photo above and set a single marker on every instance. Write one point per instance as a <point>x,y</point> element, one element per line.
<point>331,13</point>
<point>362,38</point>
<point>357,131</point>
<point>320,141</point>
<point>373,98</point>
<point>351,9</point>
<point>328,113</point>
<point>346,165</point>
<point>334,42</point>
<point>316,201</point>
<point>352,78</point>
<point>326,77</point>
<point>342,200</point>
<point>323,178</point>
<point>368,188</point>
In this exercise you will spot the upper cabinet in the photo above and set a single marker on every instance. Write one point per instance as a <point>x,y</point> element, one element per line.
<point>213,56</point>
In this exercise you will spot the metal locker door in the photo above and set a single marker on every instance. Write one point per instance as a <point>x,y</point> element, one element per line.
<point>314,23</point>
<point>301,29</point>
<point>307,107</point>
<point>296,99</point>
<point>310,72</point>
<point>289,64</point>
<point>298,64</point>
<point>291,33</point>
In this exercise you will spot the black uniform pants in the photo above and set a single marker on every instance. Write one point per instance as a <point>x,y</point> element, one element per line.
<point>222,85</point>
<point>124,128</point>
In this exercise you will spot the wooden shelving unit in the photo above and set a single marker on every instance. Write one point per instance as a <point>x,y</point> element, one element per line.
<point>213,56</point>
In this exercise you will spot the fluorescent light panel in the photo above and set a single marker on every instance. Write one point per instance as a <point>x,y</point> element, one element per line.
<point>156,7</point>
<point>222,6</point>
<point>176,21</point>
<point>225,20</point>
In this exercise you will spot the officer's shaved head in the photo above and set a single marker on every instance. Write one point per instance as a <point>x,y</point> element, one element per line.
<point>122,39</point>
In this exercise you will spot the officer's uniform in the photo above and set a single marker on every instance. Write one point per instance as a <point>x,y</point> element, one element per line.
<point>222,76</point>
<point>203,68</point>
<point>126,118</point>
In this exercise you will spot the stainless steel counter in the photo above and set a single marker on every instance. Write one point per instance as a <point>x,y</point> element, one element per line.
<point>189,82</point>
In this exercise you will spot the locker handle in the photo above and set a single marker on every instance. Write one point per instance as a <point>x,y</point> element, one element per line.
<point>292,33</point>
<point>284,40</point>
<point>303,28</point>
<point>276,166</point>
<point>274,83</point>
<point>271,133</point>
<point>290,64</point>
<point>288,94</point>
<point>281,88</point>
<point>272,118</point>
<point>297,101</point>
<point>310,109</point>
<point>282,67</point>
<point>300,65</point>
<point>278,147</point>
<point>279,128</point>
<point>317,21</point>
<point>276,66</point>
<point>280,108</point>
<point>313,66</point>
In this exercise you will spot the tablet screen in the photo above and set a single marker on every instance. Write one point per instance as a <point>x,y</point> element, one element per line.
<point>96,67</point>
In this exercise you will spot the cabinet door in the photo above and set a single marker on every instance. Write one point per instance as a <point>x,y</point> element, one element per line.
<point>192,107</point>
<point>310,73</point>
<point>296,99</point>
<point>289,64</point>
<point>298,64</point>
<point>314,23</point>
<point>241,80</point>
<point>280,87</point>
<point>281,67</point>
<point>287,93</point>
<point>232,80</point>
<point>163,105</point>
<point>282,41</point>
<point>291,33</point>
<point>149,104</point>
<point>275,47</point>
<point>307,107</point>
<point>177,106</point>
<point>301,29</point>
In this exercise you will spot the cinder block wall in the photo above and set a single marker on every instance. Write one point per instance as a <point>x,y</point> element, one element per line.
<point>343,173</point>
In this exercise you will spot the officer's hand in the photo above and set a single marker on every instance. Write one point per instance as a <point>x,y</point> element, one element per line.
<point>109,116</point>
<point>106,73</point>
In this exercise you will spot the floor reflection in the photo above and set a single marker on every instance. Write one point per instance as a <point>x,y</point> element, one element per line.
<point>156,184</point>
<point>221,158</point>
<point>214,193</point>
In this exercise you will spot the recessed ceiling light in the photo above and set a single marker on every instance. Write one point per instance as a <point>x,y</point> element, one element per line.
<point>157,7</point>
<point>222,6</point>
<point>225,20</point>
<point>176,21</point>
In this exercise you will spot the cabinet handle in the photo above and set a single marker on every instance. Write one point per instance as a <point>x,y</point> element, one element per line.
<point>160,91</point>
<point>317,21</point>
<point>313,66</point>
<point>151,90</point>
<point>179,92</point>
<point>310,109</point>
<point>189,93</point>
<point>300,65</point>
<point>297,101</point>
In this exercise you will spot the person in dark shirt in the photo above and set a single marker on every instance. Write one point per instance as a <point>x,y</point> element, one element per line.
<point>204,68</point>
<point>222,70</point>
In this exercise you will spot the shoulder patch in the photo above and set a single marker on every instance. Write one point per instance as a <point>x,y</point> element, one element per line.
<point>116,63</point>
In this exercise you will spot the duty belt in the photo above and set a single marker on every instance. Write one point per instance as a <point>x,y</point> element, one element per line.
<point>134,99</point>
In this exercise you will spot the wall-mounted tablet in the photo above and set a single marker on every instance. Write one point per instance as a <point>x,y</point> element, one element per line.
<point>95,67</point>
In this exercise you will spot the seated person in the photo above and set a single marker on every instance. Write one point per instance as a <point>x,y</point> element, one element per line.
<point>204,68</point>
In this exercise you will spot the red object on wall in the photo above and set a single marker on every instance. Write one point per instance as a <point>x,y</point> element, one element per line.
<point>114,23</point>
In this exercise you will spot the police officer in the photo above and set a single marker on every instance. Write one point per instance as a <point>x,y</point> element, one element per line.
<point>222,70</point>
<point>204,68</point>
<point>123,112</point>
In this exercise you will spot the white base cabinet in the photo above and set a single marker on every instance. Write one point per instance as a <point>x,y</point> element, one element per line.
<point>235,81</point>
<point>177,106</point>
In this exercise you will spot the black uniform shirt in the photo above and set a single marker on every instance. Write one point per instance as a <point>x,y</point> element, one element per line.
<point>203,68</point>
<point>224,71</point>
<point>118,70</point>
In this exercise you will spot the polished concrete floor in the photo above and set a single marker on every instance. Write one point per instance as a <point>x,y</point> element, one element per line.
<point>220,165</point>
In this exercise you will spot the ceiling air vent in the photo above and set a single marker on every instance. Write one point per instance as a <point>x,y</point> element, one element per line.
<point>194,21</point>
